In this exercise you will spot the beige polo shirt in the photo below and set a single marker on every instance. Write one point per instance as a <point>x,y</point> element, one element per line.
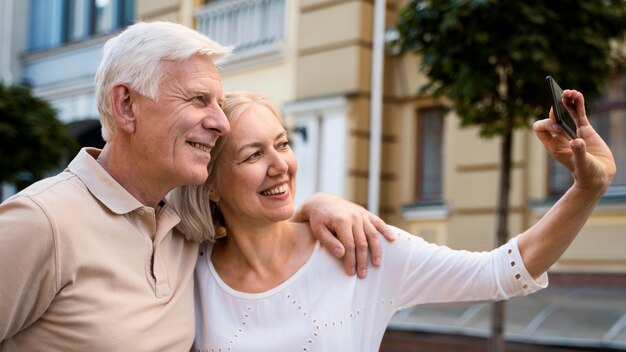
<point>84,266</point>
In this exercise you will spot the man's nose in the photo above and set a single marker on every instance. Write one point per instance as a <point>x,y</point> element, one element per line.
<point>217,122</point>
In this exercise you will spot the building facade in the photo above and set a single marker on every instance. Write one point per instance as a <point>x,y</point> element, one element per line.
<point>438,179</point>
<point>313,59</point>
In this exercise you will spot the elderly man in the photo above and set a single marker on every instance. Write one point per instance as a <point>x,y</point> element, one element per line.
<point>89,260</point>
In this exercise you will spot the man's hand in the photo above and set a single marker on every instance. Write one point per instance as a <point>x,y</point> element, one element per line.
<point>355,228</point>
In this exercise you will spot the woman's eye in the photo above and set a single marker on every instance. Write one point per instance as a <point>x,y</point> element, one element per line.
<point>254,156</point>
<point>283,145</point>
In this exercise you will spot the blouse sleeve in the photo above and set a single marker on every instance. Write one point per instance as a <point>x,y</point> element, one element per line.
<point>424,273</point>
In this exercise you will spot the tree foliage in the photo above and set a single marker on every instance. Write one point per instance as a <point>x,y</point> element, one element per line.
<point>489,58</point>
<point>32,140</point>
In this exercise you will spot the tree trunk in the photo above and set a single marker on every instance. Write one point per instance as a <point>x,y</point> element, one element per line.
<point>502,232</point>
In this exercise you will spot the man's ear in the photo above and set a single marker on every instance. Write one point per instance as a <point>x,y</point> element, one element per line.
<point>122,102</point>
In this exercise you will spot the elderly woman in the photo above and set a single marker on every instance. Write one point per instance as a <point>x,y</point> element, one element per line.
<point>264,283</point>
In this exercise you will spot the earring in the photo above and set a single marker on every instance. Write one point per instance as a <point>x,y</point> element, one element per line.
<point>220,232</point>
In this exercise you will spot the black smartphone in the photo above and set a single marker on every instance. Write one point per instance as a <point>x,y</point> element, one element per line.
<point>562,115</point>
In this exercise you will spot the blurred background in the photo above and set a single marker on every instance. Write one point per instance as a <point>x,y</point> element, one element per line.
<point>362,129</point>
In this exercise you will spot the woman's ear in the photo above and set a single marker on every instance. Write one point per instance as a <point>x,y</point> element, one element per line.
<point>214,195</point>
<point>122,102</point>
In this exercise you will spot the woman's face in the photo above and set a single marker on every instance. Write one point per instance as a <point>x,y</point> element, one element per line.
<point>256,175</point>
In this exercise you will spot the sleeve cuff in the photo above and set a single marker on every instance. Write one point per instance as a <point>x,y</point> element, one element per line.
<point>524,283</point>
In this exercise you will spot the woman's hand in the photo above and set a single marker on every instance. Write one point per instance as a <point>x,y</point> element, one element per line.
<point>346,229</point>
<point>591,163</point>
<point>587,157</point>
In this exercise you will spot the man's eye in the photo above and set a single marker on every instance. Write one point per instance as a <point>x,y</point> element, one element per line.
<point>200,99</point>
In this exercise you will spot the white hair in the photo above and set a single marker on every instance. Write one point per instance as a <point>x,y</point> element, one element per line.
<point>135,57</point>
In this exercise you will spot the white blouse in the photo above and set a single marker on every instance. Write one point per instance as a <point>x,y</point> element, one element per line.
<point>321,308</point>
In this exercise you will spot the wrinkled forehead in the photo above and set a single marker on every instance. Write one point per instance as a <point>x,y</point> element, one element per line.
<point>197,73</point>
<point>193,65</point>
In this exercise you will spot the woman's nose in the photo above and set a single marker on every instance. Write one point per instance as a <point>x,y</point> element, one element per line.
<point>278,165</point>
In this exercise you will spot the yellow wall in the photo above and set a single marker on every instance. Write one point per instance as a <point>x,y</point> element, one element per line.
<point>158,10</point>
<point>328,53</point>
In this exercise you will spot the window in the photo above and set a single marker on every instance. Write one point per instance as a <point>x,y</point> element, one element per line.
<point>608,116</point>
<point>429,172</point>
<point>56,22</point>
<point>246,23</point>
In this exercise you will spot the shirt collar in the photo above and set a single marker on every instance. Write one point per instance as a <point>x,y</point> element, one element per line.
<point>101,184</point>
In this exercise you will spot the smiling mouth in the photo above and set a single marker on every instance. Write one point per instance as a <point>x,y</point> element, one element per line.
<point>278,190</point>
<point>202,147</point>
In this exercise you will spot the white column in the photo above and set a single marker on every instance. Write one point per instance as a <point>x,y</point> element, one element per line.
<point>376,105</point>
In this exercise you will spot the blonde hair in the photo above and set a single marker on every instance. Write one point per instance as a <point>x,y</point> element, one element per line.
<point>135,57</point>
<point>201,219</point>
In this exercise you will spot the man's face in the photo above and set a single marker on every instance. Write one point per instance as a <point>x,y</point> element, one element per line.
<point>175,133</point>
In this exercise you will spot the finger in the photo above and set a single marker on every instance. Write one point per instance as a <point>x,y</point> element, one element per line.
<point>552,126</point>
<point>575,102</point>
<point>579,149</point>
<point>344,234</point>
<point>382,227</point>
<point>541,125</point>
<point>361,249</point>
<point>373,243</point>
<point>328,240</point>
<point>544,130</point>
<point>551,115</point>
<point>547,130</point>
<point>554,141</point>
<point>371,234</point>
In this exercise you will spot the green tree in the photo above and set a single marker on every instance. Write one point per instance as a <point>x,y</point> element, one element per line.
<point>32,140</point>
<point>489,58</point>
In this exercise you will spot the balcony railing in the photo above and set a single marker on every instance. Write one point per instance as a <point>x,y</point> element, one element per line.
<point>255,27</point>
